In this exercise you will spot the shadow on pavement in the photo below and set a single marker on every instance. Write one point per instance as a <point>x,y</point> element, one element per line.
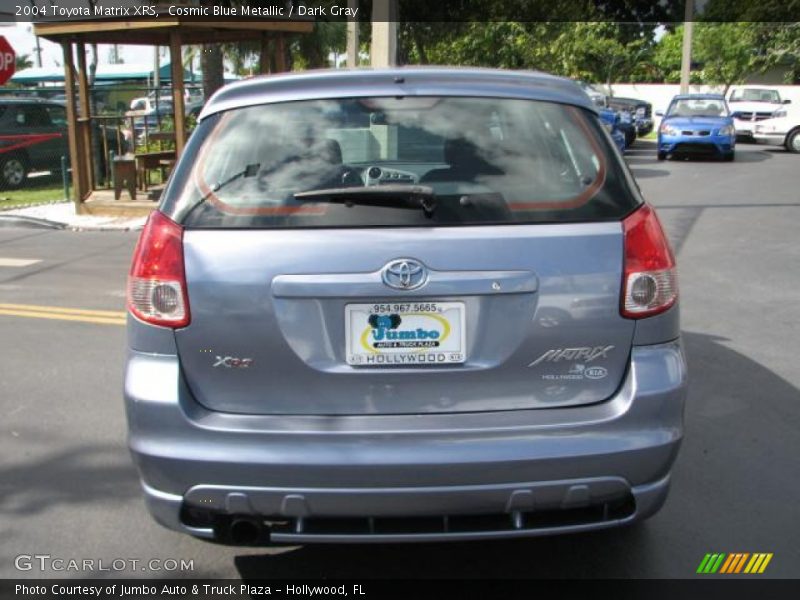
<point>581,555</point>
<point>641,158</point>
<point>77,475</point>
<point>640,173</point>
<point>720,485</point>
<point>750,156</point>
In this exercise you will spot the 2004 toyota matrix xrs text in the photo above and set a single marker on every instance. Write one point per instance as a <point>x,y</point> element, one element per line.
<point>402,305</point>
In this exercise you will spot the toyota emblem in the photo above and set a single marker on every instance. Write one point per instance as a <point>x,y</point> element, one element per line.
<point>405,274</point>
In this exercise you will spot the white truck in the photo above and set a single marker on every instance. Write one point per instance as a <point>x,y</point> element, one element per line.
<point>749,105</point>
<point>783,129</point>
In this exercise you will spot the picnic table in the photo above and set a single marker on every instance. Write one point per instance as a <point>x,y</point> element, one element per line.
<point>147,161</point>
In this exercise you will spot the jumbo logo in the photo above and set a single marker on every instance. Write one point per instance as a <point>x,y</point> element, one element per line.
<point>413,331</point>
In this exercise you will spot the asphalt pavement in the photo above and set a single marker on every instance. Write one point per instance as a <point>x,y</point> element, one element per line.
<point>68,488</point>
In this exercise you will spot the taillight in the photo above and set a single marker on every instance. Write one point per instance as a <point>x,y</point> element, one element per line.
<point>157,281</point>
<point>650,282</point>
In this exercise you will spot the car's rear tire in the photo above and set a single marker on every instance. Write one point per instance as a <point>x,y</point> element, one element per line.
<point>13,172</point>
<point>793,141</point>
<point>661,155</point>
<point>729,157</point>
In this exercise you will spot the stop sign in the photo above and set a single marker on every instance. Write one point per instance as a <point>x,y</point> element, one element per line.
<point>7,60</point>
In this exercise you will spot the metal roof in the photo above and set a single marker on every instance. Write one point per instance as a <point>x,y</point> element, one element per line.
<point>28,100</point>
<point>122,72</point>
<point>155,30</point>
<point>404,81</point>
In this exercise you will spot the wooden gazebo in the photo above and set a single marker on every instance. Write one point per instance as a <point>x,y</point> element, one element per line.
<point>172,32</point>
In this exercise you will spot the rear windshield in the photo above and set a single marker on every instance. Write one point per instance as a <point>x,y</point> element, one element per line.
<point>409,161</point>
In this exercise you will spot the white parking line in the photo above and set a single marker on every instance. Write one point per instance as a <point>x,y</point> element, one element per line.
<point>18,262</point>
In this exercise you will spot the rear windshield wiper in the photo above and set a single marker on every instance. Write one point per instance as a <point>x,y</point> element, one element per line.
<point>395,195</point>
<point>249,171</point>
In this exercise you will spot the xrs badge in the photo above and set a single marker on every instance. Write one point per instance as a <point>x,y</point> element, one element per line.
<point>233,362</point>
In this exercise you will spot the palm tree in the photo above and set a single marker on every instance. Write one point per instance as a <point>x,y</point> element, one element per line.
<point>211,60</point>
<point>190,54</point>
<point>23,62</point>
<point>313,49</point>
<point>211,63</point>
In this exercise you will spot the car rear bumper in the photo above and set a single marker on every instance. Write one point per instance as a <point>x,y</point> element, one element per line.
<point>408,477</point>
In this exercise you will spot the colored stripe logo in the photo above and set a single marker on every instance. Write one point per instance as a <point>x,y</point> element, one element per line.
<point>735,563</point>
<point>23,140</point>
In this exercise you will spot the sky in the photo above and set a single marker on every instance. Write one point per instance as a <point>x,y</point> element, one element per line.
<point>21,38</point>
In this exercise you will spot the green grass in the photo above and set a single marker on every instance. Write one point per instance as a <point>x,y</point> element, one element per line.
<point>650,136</point>
<point>38,190</point>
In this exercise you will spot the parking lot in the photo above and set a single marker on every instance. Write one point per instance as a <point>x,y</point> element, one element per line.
<point>69,490</point>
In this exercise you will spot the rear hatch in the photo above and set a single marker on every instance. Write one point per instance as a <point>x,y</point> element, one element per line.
<point>486,277</point>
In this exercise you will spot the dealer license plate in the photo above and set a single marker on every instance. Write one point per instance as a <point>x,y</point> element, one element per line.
<point>405,333</point>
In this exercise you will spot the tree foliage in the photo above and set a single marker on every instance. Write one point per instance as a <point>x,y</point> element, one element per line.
<point>23,61</point>
<point>725,53</point>
<point>595,51</point>
<point>311,50</point>
<point>616,42</point>
<point>782,48</point>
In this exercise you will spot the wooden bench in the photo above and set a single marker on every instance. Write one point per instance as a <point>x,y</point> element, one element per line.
<point>124,176</point>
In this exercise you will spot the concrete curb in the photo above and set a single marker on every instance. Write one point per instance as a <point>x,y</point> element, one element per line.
<point>7,207</point>
<point>39,223</point>
<point>29,222</point>
<point>100,228</point>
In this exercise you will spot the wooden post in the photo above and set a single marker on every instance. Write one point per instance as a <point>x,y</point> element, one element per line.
<point>72,126</point>
<point>176,69</point>
<point>264,62</point>
<point>280,53</point>
<point>84,121</point>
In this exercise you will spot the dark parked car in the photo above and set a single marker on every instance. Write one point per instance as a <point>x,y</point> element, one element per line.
<point>641,112</point>
<point>33,137</point>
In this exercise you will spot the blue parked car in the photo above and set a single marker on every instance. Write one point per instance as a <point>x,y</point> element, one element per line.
<point>627,125</point>
<point>697,124</point>
<point>611,120</point>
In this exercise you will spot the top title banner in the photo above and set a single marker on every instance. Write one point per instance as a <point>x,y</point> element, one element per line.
<point>631,11</point>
